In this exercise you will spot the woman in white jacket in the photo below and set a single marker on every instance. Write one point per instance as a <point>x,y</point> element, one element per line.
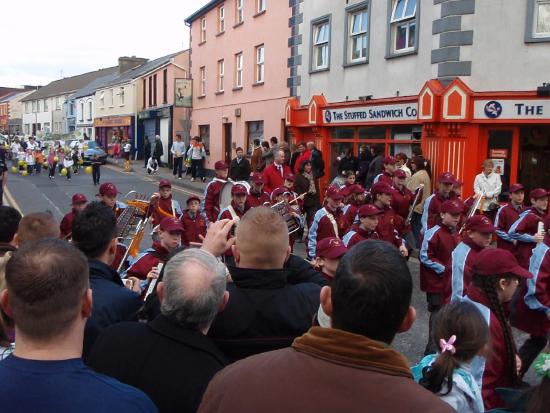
<point>488,184</point>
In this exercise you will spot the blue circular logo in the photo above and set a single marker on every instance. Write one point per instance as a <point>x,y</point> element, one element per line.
<point>328,116</point>
<point>493,109</point>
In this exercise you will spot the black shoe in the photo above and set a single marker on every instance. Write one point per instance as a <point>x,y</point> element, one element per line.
<point>203,179</point>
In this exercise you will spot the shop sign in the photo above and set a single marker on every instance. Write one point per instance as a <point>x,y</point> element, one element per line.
<point>498,153</point>
<point>113,121</point>
<point>183,91</point>
<point>512,109</point>
<point>498,166</point>
<point>372,114</point>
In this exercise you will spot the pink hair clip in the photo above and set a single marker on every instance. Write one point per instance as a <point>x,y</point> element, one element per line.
<point>448,345</point>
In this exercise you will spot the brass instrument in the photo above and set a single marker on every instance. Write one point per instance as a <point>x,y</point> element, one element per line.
<point>478,205</point>
<point>419,191</point>
<point>284,209</point>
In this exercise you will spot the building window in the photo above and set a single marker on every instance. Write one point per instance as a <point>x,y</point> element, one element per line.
<point>27,128</point>
<point>45,105</point>
<point>155,89</point>
<point>121,94</point>
<point>254,130</point>
<point>38,106</point>
<point>102,100</point>
<point>260,6</point>
<point>221,75</point>
<point>34,106</point>
<point>203,81</point>
<point>81,111</point>
<point>27,108</point>
<point>57,103</point>
<point>203,30</point>
<point>260,60</point>
<point>47,127</point>
<point>204,133</point>
<point>239,70</point>
<point>165,86</point>
<point>538,21</point>
<point>321,45</point>
<point>144,92</point>
<point>239,13</point>
<point>358,30</point>
<point>150,91</point>
<point>221,19</point>
<point>403,24</point>
<point>112,95</point>
<point>90,110</point>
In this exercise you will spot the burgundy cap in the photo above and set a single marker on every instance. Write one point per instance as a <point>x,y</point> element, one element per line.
<point>165,183</point>
<point>458,183</point>
<point>356,189</point>
<point>480,223</point>
<point>220,165</point>
<point>390,160</point>
<point>346,191</point>
<point>538,193</point>
<point>331,248</point>
<point>333,192</point>
<point>289,177</point>
<point>108,189</point>
<point>239,190</point>
<point>382,188</point>
<point>446,178</point>
<point>400,173</point>
<point>516,187</point>
<point>171,224</point>
<point>278,191</point>
<point>192,198</point>
<point>257,178</point>
<point>452,207</point>
<point>79,199</point>
<point>496,261</point>
<point>368,211</point>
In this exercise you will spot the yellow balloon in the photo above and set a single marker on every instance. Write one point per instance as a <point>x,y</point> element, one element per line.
<point>56,159</point>
<point>24,173</point>
<point>21,163</point>
<point>64,171</point>
<point>88,170</point>
<point>14,169</point>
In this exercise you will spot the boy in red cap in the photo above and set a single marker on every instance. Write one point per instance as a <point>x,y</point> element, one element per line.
<point>389,167</point>
<point>163,205</point>
<point>507,215</point>
<point>368,221</point>
<point>78,204</point>
<point>432,205</point>
<point>390,224</point>
<point>478,236</point>
<point>107,195</point>
<point>211,206</point>
<point>234,211</point>
<point>257,195</point>
<point>329,221</point>
<point>403,196</point>
<point>526,229</point>
<point>145,266</point>
<point>438,243</point>
<point>355,200</point>
<point>194,223</point>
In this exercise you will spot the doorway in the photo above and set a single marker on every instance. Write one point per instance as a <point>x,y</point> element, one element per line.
<point>499,149</point>
<point>227,142</point>
<point>534,159</point>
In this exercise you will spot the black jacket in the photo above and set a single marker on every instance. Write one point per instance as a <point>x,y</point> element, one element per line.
<point>112,302</point>
<point>317,163</point>
<point>168,362</point>
<point>240,171</point>
<point>348,164</point>
<point>375,168</point>
<point>301,185</point>
<point>158,150</point>
<point>265,312</point>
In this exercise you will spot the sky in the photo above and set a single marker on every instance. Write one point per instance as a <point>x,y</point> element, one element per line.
<point>45,40</point>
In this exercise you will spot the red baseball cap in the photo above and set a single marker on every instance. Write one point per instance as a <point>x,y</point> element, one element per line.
<point>165,183</point>
<point>333,192</point>
<point>289,177</point>
<point>220,166</point>
<point>538,193</point>
<point>382,188</point>
<point>446,178</point>
<point>390,160</point>
<point>257,178</point>
<point>78,199</point>
<point>496,261</point>
<point>108,189</point>
<point>480,223</point>
<point>331,248</point>
<point>400,173</point>
<point>346,191</point>
<point>452,207</point>
<point>278,191</point>
<point>516,187</point>
<point>192,198</point>
<point>239,190</point>
<point>171,224</point>
<point>369,210</point>
<point>356,189</point>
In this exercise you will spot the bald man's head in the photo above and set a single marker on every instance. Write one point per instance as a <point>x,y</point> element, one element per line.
<point>37,226</point>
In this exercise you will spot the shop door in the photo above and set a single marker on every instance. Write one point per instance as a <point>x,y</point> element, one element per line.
<point>338,150</point>
<point>534,160</point>
<point>499,149</point>
<point>227,141</point>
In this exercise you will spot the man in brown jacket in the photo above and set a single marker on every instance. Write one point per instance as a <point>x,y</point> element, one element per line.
<point>256,159</point>
<point>347,368</point>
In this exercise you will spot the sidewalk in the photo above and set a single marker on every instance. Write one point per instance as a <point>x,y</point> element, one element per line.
<point>197,187</point>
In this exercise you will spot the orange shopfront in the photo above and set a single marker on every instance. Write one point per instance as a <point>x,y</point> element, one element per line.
<point>456,127</point>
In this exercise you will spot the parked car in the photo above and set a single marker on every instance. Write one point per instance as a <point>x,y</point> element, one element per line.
<point>94,149</point>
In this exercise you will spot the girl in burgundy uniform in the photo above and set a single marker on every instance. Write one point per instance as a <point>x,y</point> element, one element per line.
<point>507,215</point>
<point>496,278</point>
<point>368,218</point>
<point>194,223</point>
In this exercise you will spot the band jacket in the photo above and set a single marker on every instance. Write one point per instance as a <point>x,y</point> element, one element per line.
<point>389,227</point>
<point>257,199</point>
<point>265,312</point>
<point>523,231</point>
<point>211,206</point>
<point>436,248</point>
<point>322,227</point>
<point>505,218</point>
<point>462,259</point>
<point>273,176</point>
<point>225,214</point>
<point>401,201</point>
<point>164,207</point>
<point>432,208</point>
<point>494,369</point>
<point>326,370</point>
<point>534,305</point>
<point>193,226</point>
<point>66,225</point>
<point>148,259</point>
<point>384,177</point>
<point>350,212</point>
<point>357,234</point>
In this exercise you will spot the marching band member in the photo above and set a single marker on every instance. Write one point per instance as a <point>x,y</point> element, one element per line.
<point>525,229</point>
<point>292,205</point>
<point>368,218</point>
<point>211,206</point>
<point>234,211</point>
<point>432,205</point>
<point>193,221</point>
<point>107,195</point>
<point>389,167</point>
<point>438,243</point>
<point>257,195</point>
<point>355,201</point>
<point>389,223</point>
<point>507,215</point>
<point>328,253</point>
<point>145,266</point>
<point>402,197</point>
<point>78,203</point>
<point>163,204</point>
<point>478,236</point>
<point>329,221</point>
<point>289,185</point>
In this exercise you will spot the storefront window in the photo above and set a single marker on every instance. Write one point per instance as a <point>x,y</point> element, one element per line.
<point>373,133</point>
<point>343,133</point>
<point>534,157</point>
<point>255,131</point>
<point>408,135</point>
<point>338,151</point>
<point>204,133</point>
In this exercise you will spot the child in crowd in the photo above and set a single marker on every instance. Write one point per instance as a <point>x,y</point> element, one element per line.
<point>39,159</point>
<point>52,164</point>
<point>368,221</point>
<point>194,223</point>
<point>30,161</point>
<point>461,333</point>
<point>96,169</point>
<point>76,160</point>
<point>68,165</point>
<point>152,166</point>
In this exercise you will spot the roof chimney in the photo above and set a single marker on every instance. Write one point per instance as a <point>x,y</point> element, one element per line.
<point>126,63</point>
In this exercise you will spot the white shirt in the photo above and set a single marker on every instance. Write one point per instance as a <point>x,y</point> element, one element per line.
<point>489,186</point>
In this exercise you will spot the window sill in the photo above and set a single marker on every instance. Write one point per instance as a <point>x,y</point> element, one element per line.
<point>393,55</point>
<point>539,39</point>
<point>312,71</point>
<point>201,97</point>
<point>219,92</point>
<point>237,88</point>
<point>220,33</point>
<point>238,24</point>
<point>359,63</point>
<point>256,84</point>
<point>259,13</point>
<point>201,43</point>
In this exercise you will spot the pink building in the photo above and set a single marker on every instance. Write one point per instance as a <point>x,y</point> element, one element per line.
<point>239,56</point>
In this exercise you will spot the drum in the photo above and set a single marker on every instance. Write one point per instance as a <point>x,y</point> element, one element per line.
<point>225,193</point>
<point>283,209</point>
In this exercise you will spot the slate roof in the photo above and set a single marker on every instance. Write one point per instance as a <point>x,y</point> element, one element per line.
<point>203,10</point>
<point>91,87</point>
